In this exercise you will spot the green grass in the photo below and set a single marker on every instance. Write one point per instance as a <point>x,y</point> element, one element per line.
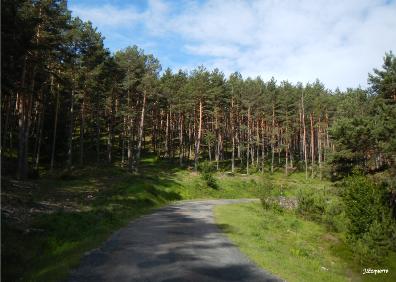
<point>93,202</point>
<point>287,246</point>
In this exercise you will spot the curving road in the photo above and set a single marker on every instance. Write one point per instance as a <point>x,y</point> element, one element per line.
<point>180,242</point>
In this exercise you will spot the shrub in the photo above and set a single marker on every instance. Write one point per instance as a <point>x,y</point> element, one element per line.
<point>271,203</point>
<point>363,204</point>
<point>372,246</point>
<point>311,204</point>
<point>334,215</point>
<point>207,174</point>
<point>269,199</point>
<point>370,228</point>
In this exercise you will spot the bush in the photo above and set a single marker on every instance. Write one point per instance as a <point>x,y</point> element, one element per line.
<point>207,174</point>
<point>334,215</point>
<point>271,203</point>
<point>363,204</point>
<point>269,199</point>
<point>311,204</point>
<point>370,228</point>
<point>374,245</point>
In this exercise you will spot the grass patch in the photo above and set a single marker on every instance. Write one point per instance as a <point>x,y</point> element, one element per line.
<point>287,246</point>
<point>293,248</point>
<point>68,213</point>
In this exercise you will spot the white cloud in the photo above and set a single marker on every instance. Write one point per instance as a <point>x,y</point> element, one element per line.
<point>338,42</point>
<point>107,15</point>
<point>215,50</point>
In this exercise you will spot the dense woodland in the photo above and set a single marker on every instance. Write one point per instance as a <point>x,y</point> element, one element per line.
<point>68,105</point>
<point>67,101</point>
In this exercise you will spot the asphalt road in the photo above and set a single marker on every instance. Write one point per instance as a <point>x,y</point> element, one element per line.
<point>180,242</point>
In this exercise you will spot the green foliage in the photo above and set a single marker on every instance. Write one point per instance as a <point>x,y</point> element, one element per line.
<point>370,228</point>
<point>270,198</point>
<point>334,215</point>
<point>207,171</point>
<point>311,204</point>
<point>364,203</point>
<point>383,81</point>
<point>374,245</point>
<point>353,137</point>
<point>365,129</point>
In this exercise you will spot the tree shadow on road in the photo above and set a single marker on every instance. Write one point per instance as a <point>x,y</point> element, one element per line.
<point>169,245</point>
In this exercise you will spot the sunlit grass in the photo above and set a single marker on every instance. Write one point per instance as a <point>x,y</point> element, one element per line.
<point>98,201</point>
<point>287,246</point>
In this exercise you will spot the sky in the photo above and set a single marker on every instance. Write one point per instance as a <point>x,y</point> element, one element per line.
<point>337,42</point>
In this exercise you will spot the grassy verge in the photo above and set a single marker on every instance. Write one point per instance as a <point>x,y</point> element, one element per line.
<point>308,245</point>
<point>51,222</point>
<point>287,246</point>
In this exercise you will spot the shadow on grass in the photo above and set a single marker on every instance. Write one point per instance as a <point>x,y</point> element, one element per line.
<point>86,206</point>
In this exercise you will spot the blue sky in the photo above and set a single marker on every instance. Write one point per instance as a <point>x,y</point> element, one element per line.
<point>338,42</point>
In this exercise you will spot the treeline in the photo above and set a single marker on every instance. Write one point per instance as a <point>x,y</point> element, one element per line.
<point>66,100</point>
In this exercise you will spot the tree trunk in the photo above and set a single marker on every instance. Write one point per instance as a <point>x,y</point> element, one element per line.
<point>273,139</point>
<point>22,124</point>
<point>97,138</point>
<point>141,127</point>
<point>124,135</point>
<point>257,143</point>
<point>55,127</point>
<point>312,145</point>
<point>110,129</point>
<point>327,145</point>
<point>71,129</point>
<point>82,128</point>
<point>286,156</point>
<point>40,132</point>
<point>218,138</point>
<point>6,122</point>
<point>304,136</point>
<point>320,149</point>
<point>262,145</point>
<point>181,140</point>
<point>248,141</point>
<point>167,135</point>
<point>189,140</point>
<point>233,135</point>
<point>198,137</point>
<point>129,132</point>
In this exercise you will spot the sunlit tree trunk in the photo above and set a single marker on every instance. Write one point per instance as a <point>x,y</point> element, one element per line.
<point>181,139</point>
<point>233,135</point>
<point>312,145</point>
<point>320,149</point>
<point>273,139</point>
<point>141,127</point>
<point>304,136</point>
<point>198,137</point>
<point>262,145</point>
<point>248,141</point>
